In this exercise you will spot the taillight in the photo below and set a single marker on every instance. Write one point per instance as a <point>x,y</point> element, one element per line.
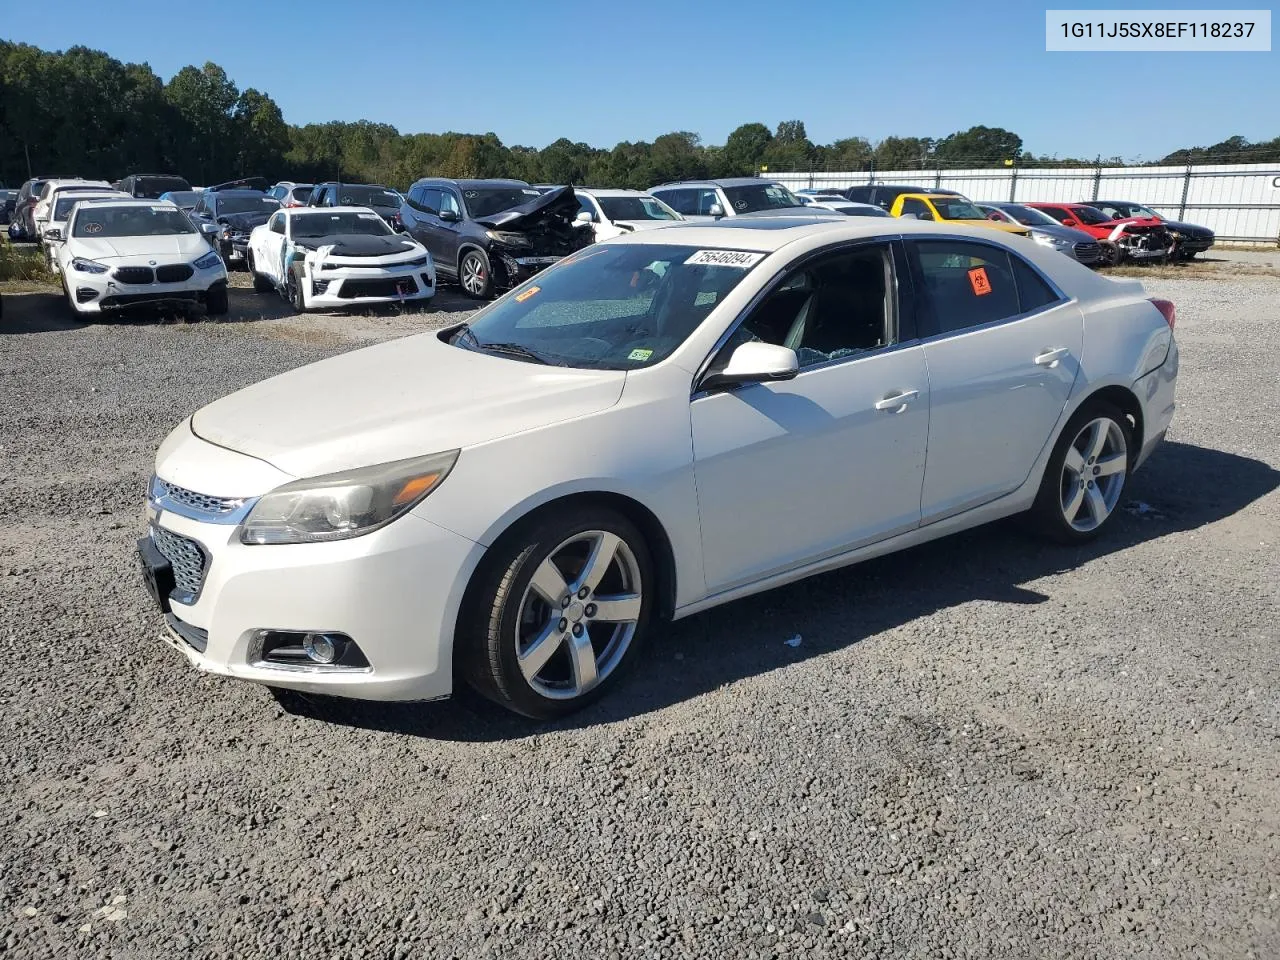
<point>1167,310</point>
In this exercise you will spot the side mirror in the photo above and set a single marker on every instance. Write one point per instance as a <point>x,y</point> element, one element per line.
<point>585,216</point>
<point>449,216</point>
<point>206,227</point>
<point>716,210</point>
<point>53,233</point>
<point>1070,223</point>
<point>754,362</point>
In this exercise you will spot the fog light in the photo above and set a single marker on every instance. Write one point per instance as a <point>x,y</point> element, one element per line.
<point>319,287</point>
<point>322,647</point>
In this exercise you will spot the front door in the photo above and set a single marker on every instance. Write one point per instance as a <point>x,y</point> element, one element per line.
<point>792,472</point>
<point>1003,348</point>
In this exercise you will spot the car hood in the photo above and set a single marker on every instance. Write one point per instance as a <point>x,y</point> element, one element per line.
<point>558,204</point>
<point>245,221</point>
<point>182,246</point>
<point>399,399</point>
<point>1189,229</point>
<point>360,244</point>
<point>1063,233</point>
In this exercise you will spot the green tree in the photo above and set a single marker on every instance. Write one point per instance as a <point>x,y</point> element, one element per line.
<point>744,150</point>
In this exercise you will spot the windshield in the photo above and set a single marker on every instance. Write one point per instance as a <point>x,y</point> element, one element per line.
<point>486,201</point>
<point>356,195</point>
<point>312,225</point>
<point>139,221</point>
<point>1089,215</point>
<point>762,196</point>
<point>62,206</point>
<point>301,194</point>
<point>230,205</point>
<point>610,307</point>
<point>1027,216</point>
<point>956,208</point>
<point>636,208</point>
<point>1122,210</point>
<point>151,188</point>
<point>183,198</point>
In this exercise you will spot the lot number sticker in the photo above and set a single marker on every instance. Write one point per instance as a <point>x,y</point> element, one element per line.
<point>725,258</point>
<point>640,354</point>
<point>978,279</point>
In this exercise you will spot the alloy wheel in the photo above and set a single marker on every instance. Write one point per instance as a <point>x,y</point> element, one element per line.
<point>578,615</point>
<point>474,276</point>
<point>1093,474</point>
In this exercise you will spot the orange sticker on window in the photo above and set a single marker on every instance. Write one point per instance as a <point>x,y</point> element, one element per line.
<point>978,280</point>
<point>524,295</point>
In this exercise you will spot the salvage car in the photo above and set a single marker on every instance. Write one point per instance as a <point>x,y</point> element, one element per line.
<point>708,200</point>
<point>1142,238</point>
<point>612,213</point>
<point>1188,238</point>
<point>151,186</point>
<point>124,253</point>
<point>55,229</point>
<point>950,207</point>
<point>338,257</point>
<point>489,235</point>
<point>654,426</point>
<point>382,200</point>
<point>227,213</point>
<point>1046,230</point>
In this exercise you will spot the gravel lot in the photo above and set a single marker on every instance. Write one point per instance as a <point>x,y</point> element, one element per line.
<point>986,747</point>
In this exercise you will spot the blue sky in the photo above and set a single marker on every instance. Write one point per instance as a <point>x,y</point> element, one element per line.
<point>604,72</point>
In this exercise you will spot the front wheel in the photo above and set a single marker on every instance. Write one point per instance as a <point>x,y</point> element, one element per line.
<point>296,295</point>
<point>475,276</point>
<point>216,302</point>
<point>261,284</point>
<point>557,612</point>
<point>1086,474</point>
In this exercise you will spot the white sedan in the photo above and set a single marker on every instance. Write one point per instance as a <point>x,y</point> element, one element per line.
<point>654,426</point>
<point>615,212</point>
<point>337,257</point>
<point>120,253</point>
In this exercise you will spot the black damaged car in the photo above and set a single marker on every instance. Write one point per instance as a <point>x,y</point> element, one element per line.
<point>227,213</point>
<point>1189,238</point>
<point>491,235</point>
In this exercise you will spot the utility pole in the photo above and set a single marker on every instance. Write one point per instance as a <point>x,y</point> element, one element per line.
<point>27,152</point>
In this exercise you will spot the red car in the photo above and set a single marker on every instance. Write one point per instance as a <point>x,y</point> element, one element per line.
<point>1129,238</point>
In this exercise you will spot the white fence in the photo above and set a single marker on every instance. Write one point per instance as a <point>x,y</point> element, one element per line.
<point>1239,202</point>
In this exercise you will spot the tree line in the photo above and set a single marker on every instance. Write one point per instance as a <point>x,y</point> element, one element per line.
<point>84,113</point>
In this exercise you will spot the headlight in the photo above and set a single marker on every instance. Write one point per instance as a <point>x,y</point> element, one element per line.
<point>208,261</point>
<point>344,505</point>
<point>1049,240</point>
<point>88,266</point>
<point>509,239</point>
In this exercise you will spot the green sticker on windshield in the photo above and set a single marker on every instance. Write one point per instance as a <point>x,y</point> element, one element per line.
<point>640,355</point>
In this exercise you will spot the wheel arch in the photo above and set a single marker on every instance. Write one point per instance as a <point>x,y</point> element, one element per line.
<point>1124,400</point>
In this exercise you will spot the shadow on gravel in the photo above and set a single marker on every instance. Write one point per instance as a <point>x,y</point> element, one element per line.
<point>50,313</point>
<point>1181,488</point>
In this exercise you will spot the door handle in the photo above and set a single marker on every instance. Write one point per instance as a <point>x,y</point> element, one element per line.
<point>1050,357</point>
<point>897,401</point>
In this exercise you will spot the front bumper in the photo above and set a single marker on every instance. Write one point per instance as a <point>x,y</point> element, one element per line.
<point>1194,244</point>
<point>101,293</point>
<point>396,592</point>
<point>520,269</point>
<point>345,286</point>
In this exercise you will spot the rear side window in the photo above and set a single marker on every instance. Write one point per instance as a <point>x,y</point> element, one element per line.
<point>1058,213</point>
<point>859,194</point>
<point>1033,291</point>
<point>964,285</point>
<point>681,201</point>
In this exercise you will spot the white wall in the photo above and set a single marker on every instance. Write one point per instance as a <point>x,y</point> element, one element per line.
<point>1230,199</point>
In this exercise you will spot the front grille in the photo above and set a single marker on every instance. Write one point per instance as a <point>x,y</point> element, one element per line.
<point>142,299</point>
<point>188,560</point>
<point>135,275</point>
<point>200,502</point>
<point>1088,252</point>
<point>174,273</point>
<point>388,287</point>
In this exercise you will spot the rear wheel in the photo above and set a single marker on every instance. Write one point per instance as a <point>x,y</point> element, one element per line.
<point>557,612</point>
<point>1086,474</point>
<point>474,275</point>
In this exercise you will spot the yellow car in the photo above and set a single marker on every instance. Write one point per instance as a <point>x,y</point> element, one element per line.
<point>952,208</point>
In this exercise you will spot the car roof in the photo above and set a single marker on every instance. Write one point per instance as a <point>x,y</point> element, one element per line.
<point>611,192</point>
<point>720,182</point>
<point>128,201</point>
<point>239,193</point>
<point>473,184</point>
<point>322,211</point>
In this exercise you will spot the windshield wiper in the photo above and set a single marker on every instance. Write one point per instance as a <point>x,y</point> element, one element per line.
<point>514,350</point>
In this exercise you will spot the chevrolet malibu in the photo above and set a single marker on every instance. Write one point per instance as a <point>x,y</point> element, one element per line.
<point>656,425</point>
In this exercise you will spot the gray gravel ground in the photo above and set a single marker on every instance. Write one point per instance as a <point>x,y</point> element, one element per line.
<point>986,747</point>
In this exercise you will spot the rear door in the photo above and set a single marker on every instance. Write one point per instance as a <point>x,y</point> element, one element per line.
<point>1003,346</point>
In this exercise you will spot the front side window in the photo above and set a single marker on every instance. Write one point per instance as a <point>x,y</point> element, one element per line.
<point>840,305</point>
<point>449,203</point>
<point>139,221</point>
<point>1089,215</point>
<point>587,205</point>
<point>636,208</point>
<point>1028,216</point>
<point>762,196</point>
<point>965,284</point>
<point>276,223</point>
<point>684,202</point>
<point>917,207</point>
<point>610,307</point>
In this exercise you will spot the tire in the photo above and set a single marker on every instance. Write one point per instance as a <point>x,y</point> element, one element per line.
<point>1077,501</point>
<point>505,611</point>
<point>474,274</point>
<point>296,297</point>
<point>216,303</point>
<point>260,283</point>
<point>69,307</point>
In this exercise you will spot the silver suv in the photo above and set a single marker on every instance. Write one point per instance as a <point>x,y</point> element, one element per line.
<point>733,197</point>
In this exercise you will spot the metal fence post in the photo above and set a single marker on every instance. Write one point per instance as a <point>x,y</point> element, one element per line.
<point>937,177</point>
<point>1186,187</point>
<point>1097,178</point>
<point>1013,182</point>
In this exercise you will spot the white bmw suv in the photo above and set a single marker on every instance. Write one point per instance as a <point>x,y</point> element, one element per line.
<point>129,253</point>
